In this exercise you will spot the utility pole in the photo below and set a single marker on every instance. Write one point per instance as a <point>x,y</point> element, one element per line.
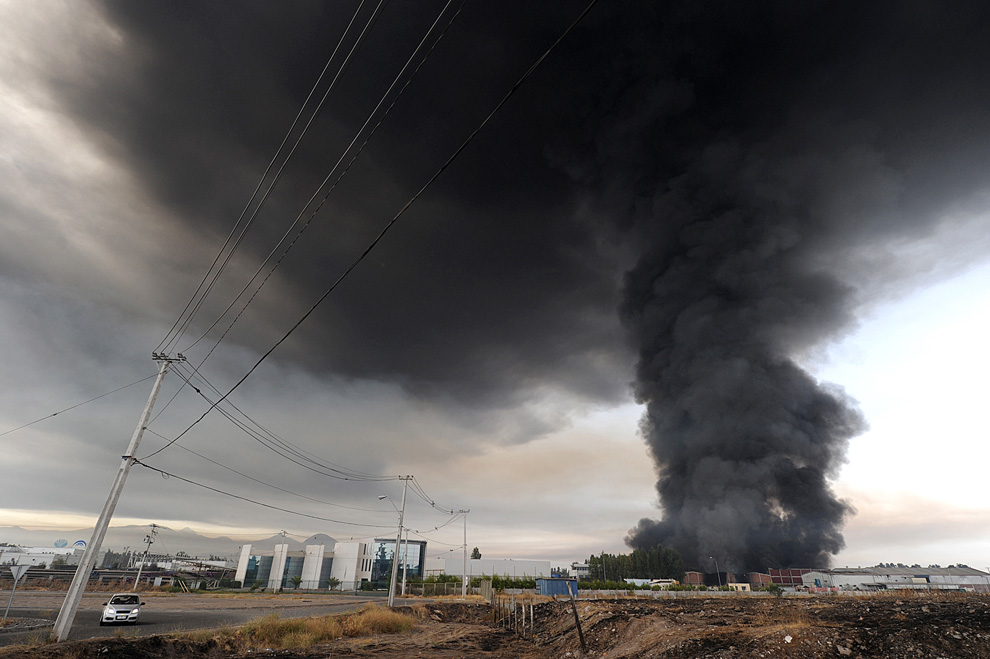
<point>405,562</point>
<point>464,569</point>
<point>63,624</point>
<point>398,538</point>
<point>150,538</point>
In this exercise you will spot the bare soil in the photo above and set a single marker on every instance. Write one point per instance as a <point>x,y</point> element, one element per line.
<point>893,627</point>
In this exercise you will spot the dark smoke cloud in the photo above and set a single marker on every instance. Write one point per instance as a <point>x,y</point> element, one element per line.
<point>744,439</point>
<point>489,289</point>
<point>745,165</point>
<point>787,142</point>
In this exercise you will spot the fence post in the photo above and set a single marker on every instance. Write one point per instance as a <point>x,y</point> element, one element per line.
<point>577,621</point>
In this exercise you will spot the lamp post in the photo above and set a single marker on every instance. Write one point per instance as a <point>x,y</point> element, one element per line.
<point>398,538</point>
<point>405,562</point>
<point>718,575</point>
<point>464,568</point>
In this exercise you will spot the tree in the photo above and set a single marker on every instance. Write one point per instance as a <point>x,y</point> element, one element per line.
<point>333,582</point>
<point>296,580</point>
<point>656,562</point>
<point>475,553</point>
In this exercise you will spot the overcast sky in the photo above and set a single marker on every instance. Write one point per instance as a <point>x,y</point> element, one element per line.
<point>493,343</point>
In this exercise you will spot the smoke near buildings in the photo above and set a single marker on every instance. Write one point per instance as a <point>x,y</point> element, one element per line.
<point>787,146</point>
<point>685,204</point>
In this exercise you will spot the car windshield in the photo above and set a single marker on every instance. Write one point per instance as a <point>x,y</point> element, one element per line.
<point>124,599</point>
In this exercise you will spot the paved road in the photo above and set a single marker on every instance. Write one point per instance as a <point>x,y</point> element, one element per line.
<point>163,615</point>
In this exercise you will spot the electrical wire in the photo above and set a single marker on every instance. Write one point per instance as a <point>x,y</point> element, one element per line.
<point>529,72</point>
<point>7,432</point>
<point>322,185</point>
<point>261,482</point>
<point>179,326</point>
<point>354,48</point>
<point>438,542</point>
<point>437,528</point>
<point>296,450</point>
<point>421,493</point>
<point>277,444</point>
<point>167,474</point>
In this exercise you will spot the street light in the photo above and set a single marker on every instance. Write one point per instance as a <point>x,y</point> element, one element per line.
<point>405,553</point>
<point>464,576</point>
<point>405,562</point>
<point>718,574</point>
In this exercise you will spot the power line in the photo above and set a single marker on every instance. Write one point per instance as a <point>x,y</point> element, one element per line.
<point>7,432</point>
<point>529,72</point>
<point>343,172</point>
<point>277,444</point>
<point>261,482</point>
<point>180,325</point>
<point>343,67</point>
<point>436,542</point>
<point>437,528</point>
<point>421,493</point>
<point>167,474</point>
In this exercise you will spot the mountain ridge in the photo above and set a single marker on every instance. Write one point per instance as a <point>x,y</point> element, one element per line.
<point>167,541</point>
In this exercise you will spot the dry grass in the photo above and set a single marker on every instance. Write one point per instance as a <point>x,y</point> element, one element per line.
<point>783,620</point>
<point>458,598</point>
<point>301,633</point>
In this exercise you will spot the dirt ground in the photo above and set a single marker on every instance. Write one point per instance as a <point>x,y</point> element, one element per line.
<point>893,627</point>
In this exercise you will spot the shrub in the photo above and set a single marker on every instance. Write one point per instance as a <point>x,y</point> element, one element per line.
<point>274,632</point>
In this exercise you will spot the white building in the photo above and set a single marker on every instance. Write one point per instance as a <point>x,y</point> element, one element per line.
<point>352,564</point>
<point>899,578</point>
<point>40,555</point>
<point>504,567</point>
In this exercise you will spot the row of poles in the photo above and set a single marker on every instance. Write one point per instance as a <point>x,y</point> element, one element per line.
<point>515,615</point>
<point>520,616</point>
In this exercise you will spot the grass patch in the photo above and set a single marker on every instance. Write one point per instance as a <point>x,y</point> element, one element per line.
<point>302,633</point>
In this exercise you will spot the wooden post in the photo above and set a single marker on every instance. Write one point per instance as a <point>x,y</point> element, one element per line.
<point>577,621</point>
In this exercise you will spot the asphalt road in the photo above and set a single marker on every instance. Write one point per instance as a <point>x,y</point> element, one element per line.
<point>165,615</point>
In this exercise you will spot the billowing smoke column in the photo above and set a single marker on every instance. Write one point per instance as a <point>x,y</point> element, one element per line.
<point>744,440</point>
<point>766,159</point>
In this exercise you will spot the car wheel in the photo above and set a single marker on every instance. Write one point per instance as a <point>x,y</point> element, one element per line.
<point>103,624</point>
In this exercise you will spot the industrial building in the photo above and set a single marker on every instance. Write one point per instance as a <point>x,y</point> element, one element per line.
<point>44,556</point>
<point>897,578</point>
<point>510,568</point>
<point>352,564</point>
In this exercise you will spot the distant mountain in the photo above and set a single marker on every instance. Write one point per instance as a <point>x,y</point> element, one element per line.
<point>168,541</point>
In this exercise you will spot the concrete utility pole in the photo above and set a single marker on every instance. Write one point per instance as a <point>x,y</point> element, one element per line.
<point>405,562</point>
<point>63,624</point>
<point>150,538</point>
<point>464,569</point>
<point>398,538</point>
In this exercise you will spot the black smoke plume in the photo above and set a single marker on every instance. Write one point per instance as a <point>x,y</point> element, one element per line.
<point>744,439</point>
<point>775,147</point>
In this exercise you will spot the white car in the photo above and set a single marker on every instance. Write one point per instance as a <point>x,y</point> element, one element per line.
<point>121,608</point>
